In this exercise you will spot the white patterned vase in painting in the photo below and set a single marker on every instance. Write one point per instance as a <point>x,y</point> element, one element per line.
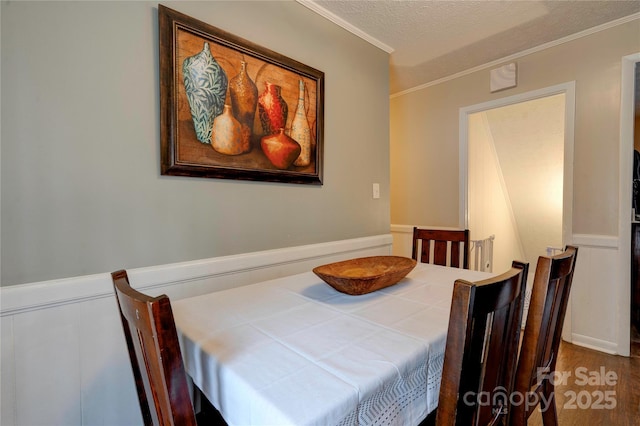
<point>206,85</point>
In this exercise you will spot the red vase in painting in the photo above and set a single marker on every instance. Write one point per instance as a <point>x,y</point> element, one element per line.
<point>280,149</point>
<point>273,109</point>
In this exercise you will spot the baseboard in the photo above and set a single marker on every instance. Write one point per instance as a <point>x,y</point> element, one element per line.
<point>596,344</point>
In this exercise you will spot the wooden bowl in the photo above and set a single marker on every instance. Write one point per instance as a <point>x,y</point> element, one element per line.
<point>365,274</point>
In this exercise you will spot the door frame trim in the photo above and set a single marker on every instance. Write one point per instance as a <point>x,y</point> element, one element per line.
<point>627,100</point>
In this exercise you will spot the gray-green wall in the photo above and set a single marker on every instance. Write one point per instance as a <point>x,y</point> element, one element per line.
<point>81,189</point>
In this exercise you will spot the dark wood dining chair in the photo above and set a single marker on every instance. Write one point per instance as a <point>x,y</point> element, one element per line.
<point>481,350</point>
<point>154,351</point>
<point>452,242</point>
<point>541,337</point>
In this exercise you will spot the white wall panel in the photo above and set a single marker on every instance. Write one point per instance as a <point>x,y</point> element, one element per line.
<point>7,369</point>
<point>106,376</point>
<point>47,361</point>
<point>402,239</point>
<point>594,293</point>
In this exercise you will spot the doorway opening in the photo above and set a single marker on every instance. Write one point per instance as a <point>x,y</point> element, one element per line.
<point>515,172</point>
<point>516,168</point>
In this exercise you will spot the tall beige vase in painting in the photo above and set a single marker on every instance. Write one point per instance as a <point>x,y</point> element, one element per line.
<point>300,129</point>
<point>228,136</point>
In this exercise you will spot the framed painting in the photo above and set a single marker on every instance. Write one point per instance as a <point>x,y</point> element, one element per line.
<point>234,110</point>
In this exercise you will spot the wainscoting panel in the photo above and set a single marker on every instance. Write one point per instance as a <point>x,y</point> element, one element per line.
<point>7,370</point>
<point>595,293</point>
<point>47,365</point>
<point>402,239</point>
<point>106,369</point>
<point>63,355</point>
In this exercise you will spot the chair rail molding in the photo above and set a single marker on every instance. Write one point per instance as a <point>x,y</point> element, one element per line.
<point>33,296</point>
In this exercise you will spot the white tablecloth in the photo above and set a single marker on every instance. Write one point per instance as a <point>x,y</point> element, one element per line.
<point>294,351</point>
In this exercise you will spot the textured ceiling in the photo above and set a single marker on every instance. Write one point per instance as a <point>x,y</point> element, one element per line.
<point>429,40</point>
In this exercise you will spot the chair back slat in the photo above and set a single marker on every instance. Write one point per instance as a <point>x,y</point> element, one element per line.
<point>455,254</point>
<point>481,349</point>
<point>452,244</point>
<point>154,351</point>
<point>543,332</point>
<point>440,252</point>
<point>425,252</point>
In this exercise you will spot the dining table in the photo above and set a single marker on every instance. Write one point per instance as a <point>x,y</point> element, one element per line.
<point>295,351</point>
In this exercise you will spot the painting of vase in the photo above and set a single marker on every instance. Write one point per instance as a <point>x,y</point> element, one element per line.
<point>231,109</point>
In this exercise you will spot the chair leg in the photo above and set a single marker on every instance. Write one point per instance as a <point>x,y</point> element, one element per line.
<point>209,415</point>
<point>430,420</point>
<point>549,414</point>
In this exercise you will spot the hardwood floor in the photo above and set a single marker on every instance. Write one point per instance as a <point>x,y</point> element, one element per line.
<point>598,389</point>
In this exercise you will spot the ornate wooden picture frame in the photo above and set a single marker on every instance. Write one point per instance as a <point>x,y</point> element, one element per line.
<point>234,110</point>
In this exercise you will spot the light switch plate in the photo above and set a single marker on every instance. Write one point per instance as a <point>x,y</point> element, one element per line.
<point>376,190</point>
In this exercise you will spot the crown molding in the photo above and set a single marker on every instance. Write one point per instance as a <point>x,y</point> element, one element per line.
<point>344,24</point>
<point>518,55</point>
<point>312,5</point>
